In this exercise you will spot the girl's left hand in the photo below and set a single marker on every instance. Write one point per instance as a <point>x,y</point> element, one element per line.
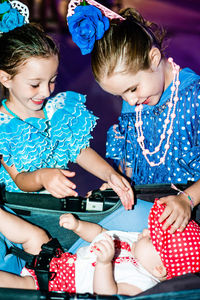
<point>177,212</point>
<point>123,189</point>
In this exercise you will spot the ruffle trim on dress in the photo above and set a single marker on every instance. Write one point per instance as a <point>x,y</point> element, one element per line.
<point>38,143</point>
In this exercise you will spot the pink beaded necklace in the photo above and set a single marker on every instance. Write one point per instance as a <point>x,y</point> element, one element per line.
<point>166,134</point>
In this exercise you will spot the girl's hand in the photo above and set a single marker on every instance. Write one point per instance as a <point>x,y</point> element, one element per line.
<point>104,250</point>
<point>68,221</point>
<point>103,187</point>
<point>123,189</point>
<point>55,181</point>
<point>177,212</point>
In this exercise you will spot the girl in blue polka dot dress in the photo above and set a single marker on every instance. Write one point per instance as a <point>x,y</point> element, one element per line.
<point>157,139</point>
<point>40,134</point>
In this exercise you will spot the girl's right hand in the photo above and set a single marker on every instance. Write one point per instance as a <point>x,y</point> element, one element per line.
<point>55,181</point>
<point>177,213</point>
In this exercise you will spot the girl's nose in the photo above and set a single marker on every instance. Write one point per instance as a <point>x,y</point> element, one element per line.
<point>131,100</point>
<point>45,91</point>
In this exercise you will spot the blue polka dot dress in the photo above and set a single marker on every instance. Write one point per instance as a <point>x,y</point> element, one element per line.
<point>182,161</point>
<point>45,143</point>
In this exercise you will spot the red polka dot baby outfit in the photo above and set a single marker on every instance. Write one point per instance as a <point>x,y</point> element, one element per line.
<point>75,273</point>
<point>180,251</point>
<point>64,269</point>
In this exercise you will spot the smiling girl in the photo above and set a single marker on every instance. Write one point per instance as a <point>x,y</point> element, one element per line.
<point>156,140</point>
<point>40,134</point>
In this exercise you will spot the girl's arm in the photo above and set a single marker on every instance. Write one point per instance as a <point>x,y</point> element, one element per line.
<point>55,181</point>
<point>95,164</point>
<point>178,210</point>
<point>105,284</point>
<point>86,230</point>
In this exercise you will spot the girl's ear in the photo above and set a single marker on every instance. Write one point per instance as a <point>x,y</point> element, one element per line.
<point>5,78</point>
<point>160,271</point>
<point>154,58</point>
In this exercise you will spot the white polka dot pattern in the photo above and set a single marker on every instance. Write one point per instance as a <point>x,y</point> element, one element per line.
<point>63,273</point>
<point>180,252</point>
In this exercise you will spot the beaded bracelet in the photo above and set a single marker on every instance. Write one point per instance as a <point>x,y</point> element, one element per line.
<point>184,193</point>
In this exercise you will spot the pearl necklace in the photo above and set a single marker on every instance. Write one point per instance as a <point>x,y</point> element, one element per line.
<point>171,106</point>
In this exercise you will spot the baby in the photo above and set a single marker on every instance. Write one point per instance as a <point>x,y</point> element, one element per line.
<point>130,262</point>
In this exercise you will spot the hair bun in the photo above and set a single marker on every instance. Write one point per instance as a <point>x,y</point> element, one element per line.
<point>132,13</point>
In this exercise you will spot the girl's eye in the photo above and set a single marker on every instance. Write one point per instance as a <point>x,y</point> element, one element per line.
<point>133,90</point>
<point>35,86</point>
<point>53,82</point>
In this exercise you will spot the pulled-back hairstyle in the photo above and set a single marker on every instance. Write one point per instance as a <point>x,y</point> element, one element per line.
<point>126,44</point>
<point>22,43</point>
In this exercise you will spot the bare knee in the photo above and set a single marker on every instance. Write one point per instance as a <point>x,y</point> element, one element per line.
<point>37,238</point>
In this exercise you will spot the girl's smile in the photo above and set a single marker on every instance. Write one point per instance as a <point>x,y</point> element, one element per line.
<point>34,82</point>
<point>144,87</point>
<point>38,102</point>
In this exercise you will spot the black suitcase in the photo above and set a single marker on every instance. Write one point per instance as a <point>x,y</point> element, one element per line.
<point>45,210</point>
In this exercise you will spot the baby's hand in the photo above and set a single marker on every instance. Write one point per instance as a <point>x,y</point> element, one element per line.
<point>177,212</point>
<point>123,189</point>
<point>68,221</point>
<point>55,181</point>
<point>104,250</point>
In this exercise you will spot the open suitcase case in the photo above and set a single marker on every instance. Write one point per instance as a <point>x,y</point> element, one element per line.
<point>45,210</point>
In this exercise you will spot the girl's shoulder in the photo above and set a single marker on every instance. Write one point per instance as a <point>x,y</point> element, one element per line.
<point>68,100</point>
<point>4,118</point>
<point>188,80</point>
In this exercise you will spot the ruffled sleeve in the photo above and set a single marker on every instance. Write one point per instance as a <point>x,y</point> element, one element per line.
<point>71,124</point>
<point>52,142</point>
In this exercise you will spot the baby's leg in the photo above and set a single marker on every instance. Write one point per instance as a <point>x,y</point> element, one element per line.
<point>8,280</point>
<point>20,231</point>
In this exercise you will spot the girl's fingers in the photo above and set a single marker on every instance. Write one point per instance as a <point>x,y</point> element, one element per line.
<point>170,220</point>
<point>68,173</point>
<point>104,186</point>
<point>166,213</point>
<point>176,225</point>
<point>183,224</point>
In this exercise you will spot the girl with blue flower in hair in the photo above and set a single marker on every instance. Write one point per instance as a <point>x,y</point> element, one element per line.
<point>40,134</point>
<point>157,138</point>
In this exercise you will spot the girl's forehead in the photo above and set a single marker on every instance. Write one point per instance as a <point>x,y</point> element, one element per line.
<point>34,64</point>
<point>118,83</point>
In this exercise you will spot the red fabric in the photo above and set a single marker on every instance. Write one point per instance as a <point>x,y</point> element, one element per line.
<point>180,251</point>
<point>64,268</point>
<point>119,245</point>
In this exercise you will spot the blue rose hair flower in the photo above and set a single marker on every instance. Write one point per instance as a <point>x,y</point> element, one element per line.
<point>87,25</point>
<point>10,19</point>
